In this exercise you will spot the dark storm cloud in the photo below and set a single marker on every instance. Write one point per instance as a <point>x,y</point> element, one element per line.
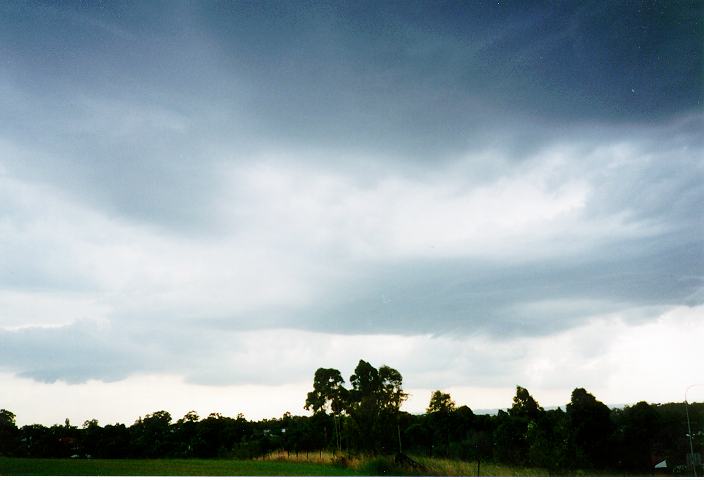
<point>88,350</point>
<point>533,299</point>
<point>129,105</point>
<point>659,181</point>
<point>115,107</point>
<point>305,61</point>
<point>430,79</point>
<point>571,60</point>
<point>74,353</point>
<point>110,352</point>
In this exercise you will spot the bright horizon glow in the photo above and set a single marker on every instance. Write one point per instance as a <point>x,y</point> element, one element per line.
<point>126,400</point>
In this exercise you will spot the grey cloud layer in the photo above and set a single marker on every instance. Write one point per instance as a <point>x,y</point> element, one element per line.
<point>653,186</point>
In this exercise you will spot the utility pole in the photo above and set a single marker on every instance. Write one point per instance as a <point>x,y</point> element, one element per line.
<point>398,430</point>
<point>689,427</point>
<point>689,434</point>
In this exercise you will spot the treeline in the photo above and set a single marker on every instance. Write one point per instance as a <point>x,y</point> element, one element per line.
<point>366,418</point>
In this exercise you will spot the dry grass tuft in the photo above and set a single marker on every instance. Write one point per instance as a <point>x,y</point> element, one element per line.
<point>379,465</point>
<point>349,460</point>
<point>457,468</point>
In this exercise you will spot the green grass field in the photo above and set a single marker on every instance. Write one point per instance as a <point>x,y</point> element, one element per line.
<point>167,467</point>
<point>280,464</point>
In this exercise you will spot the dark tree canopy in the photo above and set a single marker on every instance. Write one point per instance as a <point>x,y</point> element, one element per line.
<point>376,389</point>
<point>7,418</point>
<point>524,405</point>
<point>440,403</point>
<point>590,428</point>
<point>8,433</point>
<point>391,391</point>
<point>328,392</point>
<point>365,380</point>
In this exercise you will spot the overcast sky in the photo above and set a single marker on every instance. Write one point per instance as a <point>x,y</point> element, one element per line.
<point>203,202</point>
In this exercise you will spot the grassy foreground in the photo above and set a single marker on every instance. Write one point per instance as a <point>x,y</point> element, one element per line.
<point>276,464</point>
<point>167,467</point>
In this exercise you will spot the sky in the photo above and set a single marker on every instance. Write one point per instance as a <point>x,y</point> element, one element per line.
<point>201,203</point>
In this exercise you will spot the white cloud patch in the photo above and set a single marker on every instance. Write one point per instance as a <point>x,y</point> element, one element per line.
<point>402,217</point>
<point>21,309</point>
<point>56,247</point>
